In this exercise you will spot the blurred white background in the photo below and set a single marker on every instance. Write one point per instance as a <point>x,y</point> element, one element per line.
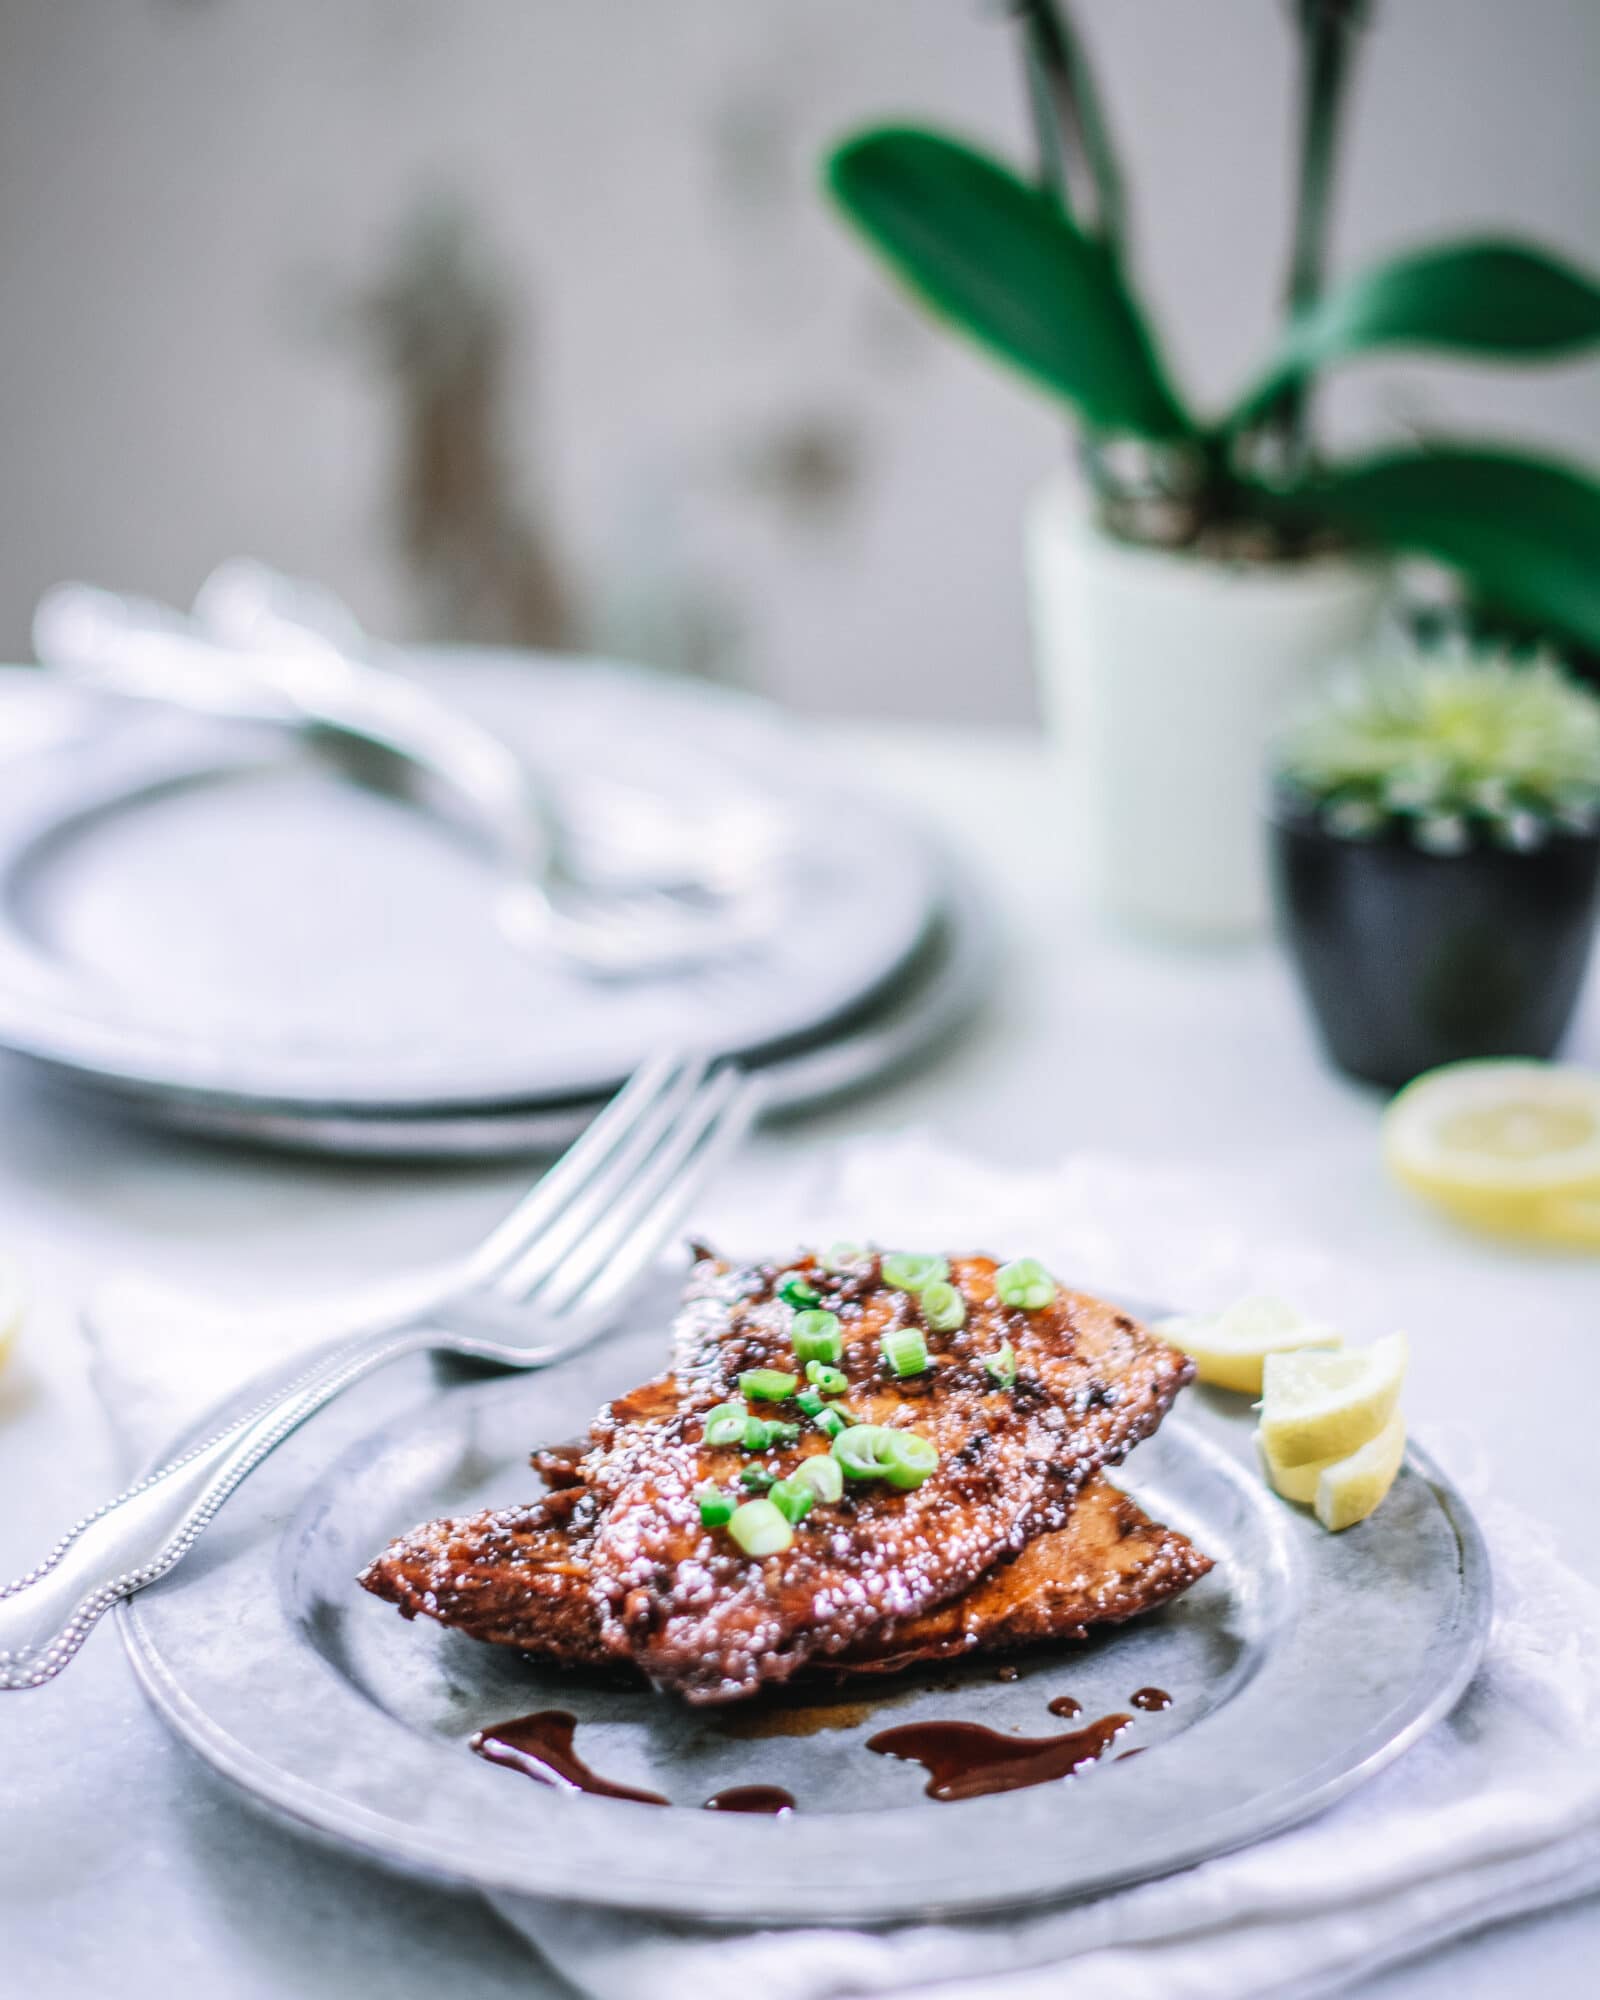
<point>526,320</point>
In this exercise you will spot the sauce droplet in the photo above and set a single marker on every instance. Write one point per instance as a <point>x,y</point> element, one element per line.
<point>752,1799</point>
<point>1008,1673</point>
<point>540,1747</point>
<point>965,1760</point>
<point>1152,1700</point>
<point>1066,1706</point>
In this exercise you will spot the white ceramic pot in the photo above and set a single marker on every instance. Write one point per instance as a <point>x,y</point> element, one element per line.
<point>1163,677</point>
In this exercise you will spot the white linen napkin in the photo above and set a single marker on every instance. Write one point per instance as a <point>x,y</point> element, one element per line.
<point>1494,1814</point>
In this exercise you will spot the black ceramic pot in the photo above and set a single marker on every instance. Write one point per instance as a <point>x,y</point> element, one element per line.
<point>1412,959</point>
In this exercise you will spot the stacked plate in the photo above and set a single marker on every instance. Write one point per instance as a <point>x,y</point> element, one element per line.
<point>211,925</point>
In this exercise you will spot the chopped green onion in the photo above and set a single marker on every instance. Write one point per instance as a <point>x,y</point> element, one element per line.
<point>725,1424</point>
<point>760,1432</point>
<point>943,1307</point>
<point>908,1457</point>
<point>831,1381</point>
<point>843,1257</point>
<point>823,1474</point>
<point>1002,1367</point>
<point>831,1421</point>
<point>793,1499</point>
<point>716,1507</point>
<point>760,1529</point>
<point>859,1451</point>
<point>905,1350</point>
<point>767,1385</point>
<point>1025,1285</point>
<point>878,1451</point>
<point>817,1336</point>
<point>798,1292</point>
<point>909,1271</point>
<point>756,1478</point>
<point>810,1401</point>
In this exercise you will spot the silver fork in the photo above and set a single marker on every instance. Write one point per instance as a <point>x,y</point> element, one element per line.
<point>545,1282</point>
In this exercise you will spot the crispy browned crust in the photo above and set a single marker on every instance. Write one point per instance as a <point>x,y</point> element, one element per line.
<point>520,1578</point>
<point>616,1565</point>
<point>700,1617</point>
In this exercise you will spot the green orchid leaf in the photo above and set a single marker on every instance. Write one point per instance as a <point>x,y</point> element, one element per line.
<point>1002,262</point>
<point>1525,532</point>
<point>1487,298</point>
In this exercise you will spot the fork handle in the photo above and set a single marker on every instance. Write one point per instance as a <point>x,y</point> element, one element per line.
<point>46,1615</point>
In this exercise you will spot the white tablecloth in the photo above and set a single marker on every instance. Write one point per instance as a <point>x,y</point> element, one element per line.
<point>139,1870</point>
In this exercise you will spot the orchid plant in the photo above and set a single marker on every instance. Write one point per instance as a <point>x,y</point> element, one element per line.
<point>1035,269</point>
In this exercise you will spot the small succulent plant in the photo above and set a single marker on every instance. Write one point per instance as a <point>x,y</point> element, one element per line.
<point>1448,749</point>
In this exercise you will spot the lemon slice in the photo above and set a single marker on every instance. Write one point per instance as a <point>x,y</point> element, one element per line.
<point>1508,1147</point>
<point>13,1302</point>
<point>1327,1405</point>
<point>1229,1347</point>
<point>1352,1488</point>
<point>1299,1482</point>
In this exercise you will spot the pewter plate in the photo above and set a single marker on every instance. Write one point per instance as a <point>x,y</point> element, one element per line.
<point>941,987</point>
<point>210,912</point>
<point>1302,1665</point>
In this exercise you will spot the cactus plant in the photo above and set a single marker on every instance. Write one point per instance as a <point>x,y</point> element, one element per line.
<point>1449,749</point>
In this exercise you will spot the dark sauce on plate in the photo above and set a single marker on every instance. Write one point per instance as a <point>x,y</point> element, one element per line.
<point>540,1747</point>
<point>966,1760</point>
<point>1066,1706</point>
<point>1151,1700</point>
<point>752,1799</point>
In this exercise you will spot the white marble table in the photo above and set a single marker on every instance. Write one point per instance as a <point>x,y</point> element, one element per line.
<point>124,1867</point>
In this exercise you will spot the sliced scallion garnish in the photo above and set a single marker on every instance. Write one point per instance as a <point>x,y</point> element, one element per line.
<point>798,1291</point>
<point>942,1305</point>
<point>823,1474</point>
<point>843,1257</point>
<point>1024,1285</point>
<point>908,1458</point>
<point>761,1432</point>
<point>725,1424</point>
<point>858,1449</point>
<point>879,1451</point>
<point>757,1479</point>
<point>817,1336</point>
<point>716,1507</point>
<point>831,1421</point>
<point>760,1529</point>
<point>767,1385</point>
<point>906,1350</point>
<point>910,1271</point>
<point>793,1499</point>
<point>810,1400</point>
<point>1002,1367</point>
<point>831,1381</point>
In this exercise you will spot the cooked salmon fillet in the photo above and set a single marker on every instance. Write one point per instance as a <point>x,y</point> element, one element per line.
<point>616,1565</point>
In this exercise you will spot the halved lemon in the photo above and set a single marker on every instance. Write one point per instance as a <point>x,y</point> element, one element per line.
<point>1300,1482</point>
<point>1322,1406</point>
<point>1230,1346</point>
<point>13,1302</point>
<point>1508,1147</point>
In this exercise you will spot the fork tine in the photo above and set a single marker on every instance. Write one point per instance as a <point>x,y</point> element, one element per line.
<point>561,1183</point>
<point>589,1203</point>
<point>635,1225</point>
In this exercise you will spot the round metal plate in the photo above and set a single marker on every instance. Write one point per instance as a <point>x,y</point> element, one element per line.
<point>205,912</point>
<point>1303,1664</point>
<point>942,986</point>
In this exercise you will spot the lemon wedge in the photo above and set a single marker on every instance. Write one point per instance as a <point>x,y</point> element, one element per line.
<point>13,1302</point>
<point>1230,1346</point>
<point>1508,1147</point>
<point>1352,1488</point>
<point>1323,1406</point>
